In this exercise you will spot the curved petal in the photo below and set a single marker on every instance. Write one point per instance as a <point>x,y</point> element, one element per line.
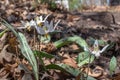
<point>41,19</point>
<point>103,49</point>
<point>32,23</point>
<point>51,28</point>
<point>23,23</point>
<point>40,31</point>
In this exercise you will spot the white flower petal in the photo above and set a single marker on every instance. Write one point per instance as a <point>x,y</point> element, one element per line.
<point>23,23</point>
<point>56,24</point>
<point>40,31</point>
<point>32,23</point>
<point>41,19</point>
<point>46,17</point>
<point>96,53</point>
<point>104,48</point>
<point>51,28</point>
<point>96,44</point>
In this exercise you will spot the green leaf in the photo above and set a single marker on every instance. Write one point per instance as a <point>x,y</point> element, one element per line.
<point>45,39</point>
<point>43,54</point>
<point>84,58</point>
<point>26,51</point>
<point>68,69</point>
<point>73,71</point>
<point>100,42</point>
<point>54,66</point>
<point>28,54</point>
<point>110,46</point>
<point>64,68</point>
<point>76,39</point>
<point>112,65</point>
<point>9,26</point>
<point>1,33</point>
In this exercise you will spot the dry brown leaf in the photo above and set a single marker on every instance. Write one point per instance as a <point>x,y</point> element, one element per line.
<point>69,61</point>
<point>74,47</point>
<point>27,77</point>
<point>12,41</point>
<point>70,24</point>
<point>45,75</point>
<point>97,72</point>
<point>116,77</point>
<point>3,74</point>
<point>27,74</point>
<point>101,8</point>
<point>5,55</point>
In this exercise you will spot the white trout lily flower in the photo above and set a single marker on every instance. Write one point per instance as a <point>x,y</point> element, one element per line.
<point>47,28</point>
<point>26,25</point>
<point>40,20</point>
<point>96,51</point>
<point>32,23</point>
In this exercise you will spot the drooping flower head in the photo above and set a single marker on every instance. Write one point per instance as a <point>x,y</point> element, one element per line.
<point>96,50</point>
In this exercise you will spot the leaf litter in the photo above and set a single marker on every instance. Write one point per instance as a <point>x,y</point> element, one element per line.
<point>82,24</point>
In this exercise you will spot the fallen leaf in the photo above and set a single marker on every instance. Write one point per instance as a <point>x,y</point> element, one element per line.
<point>5,55</point>
<point>13,44</point>
<point>74,47</point>
<point>96,72</point>
<point>116,77</point>
<point>27,77</point>
<point>3,74</point>
<point>69,61</point>
<point>45,75</point>
<point>27,74</point>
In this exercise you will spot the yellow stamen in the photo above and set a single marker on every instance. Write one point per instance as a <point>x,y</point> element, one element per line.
<point>46,35</point>
<point>28,28</point>
<point>40,24</point>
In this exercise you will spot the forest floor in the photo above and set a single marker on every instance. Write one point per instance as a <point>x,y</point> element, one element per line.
<point>102,25</point>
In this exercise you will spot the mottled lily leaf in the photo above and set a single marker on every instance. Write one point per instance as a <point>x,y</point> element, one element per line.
<point>64,68</point>
<point>100,42</point>
<point>75,39</point>
<point>84,58</point>
<point>9,27</point>
<point>43,54</point>
<point>112,65</point>
<point>26,51</point>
